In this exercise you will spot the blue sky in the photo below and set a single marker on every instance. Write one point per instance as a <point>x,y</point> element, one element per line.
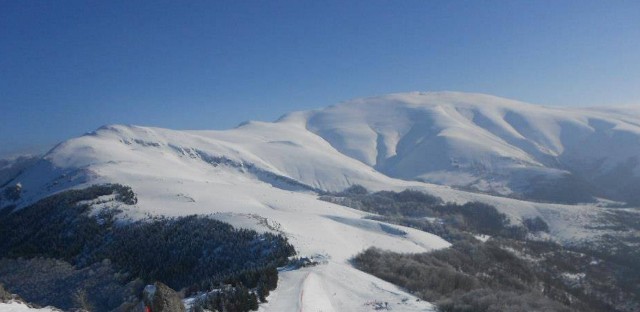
<point>68,67</point>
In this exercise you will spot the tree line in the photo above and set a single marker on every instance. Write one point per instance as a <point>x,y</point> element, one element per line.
<point>194,253</point>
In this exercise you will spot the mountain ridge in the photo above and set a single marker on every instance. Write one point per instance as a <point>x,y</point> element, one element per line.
<point>471,141</point>
<point>433,137</point>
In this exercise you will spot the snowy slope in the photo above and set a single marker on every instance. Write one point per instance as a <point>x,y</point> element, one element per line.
<point>210,172</point>
<point>473,141</point>
<point>10,168</point>
<point>266,176</point>
<point>479,141</point>
<point>175,173</point>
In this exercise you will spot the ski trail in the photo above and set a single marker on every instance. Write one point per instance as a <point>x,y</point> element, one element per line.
<point>313,297</point>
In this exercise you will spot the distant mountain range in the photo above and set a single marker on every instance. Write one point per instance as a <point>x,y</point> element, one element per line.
<point>488,144</point>
<point>474,142</point>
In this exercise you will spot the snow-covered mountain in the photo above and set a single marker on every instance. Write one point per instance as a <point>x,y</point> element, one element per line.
<point>472,141</point>
<point>267,176</point>
<point>486,143</point>
<point>396,141</point>
<point>10,168</point>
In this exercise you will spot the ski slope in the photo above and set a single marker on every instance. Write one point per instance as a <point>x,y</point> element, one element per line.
<point>335,289</point>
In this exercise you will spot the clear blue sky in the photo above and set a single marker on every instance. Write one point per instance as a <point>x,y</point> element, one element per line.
<point>68,67</point>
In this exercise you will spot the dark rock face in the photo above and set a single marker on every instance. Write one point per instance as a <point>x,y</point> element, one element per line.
<point>4,295</point>
<point>160,298</point>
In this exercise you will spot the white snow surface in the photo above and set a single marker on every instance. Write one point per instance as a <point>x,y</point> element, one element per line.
<point>16,306</point>
<point>474,140</point>
<point>264,176</point>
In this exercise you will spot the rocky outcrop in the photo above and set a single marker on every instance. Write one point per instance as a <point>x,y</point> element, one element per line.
<point>160,298</point>
<point>4,295</point>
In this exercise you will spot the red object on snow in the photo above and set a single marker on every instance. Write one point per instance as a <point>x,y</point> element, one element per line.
<point>147,309</point>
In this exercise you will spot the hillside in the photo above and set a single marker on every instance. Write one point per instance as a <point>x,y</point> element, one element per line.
<point>267,177</point>
<point>489,144</point>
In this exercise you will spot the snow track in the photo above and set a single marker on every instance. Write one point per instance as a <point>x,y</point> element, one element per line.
<point>337,287</point>
<point>316,299</point>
